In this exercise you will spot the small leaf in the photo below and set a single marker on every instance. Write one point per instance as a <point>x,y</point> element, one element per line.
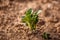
<point>46,35</point>
<point>37,12</point>
<point>28,12</point>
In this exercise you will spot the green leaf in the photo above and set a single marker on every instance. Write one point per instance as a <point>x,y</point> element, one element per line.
<point>29,11</point>
<point>46,35</point>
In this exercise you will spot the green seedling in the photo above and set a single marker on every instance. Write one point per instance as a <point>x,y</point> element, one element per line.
<point>46,36</point>
<point>31,18</point>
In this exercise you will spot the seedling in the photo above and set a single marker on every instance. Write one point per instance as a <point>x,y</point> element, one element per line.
<point>46,36</point>
<point>31,18</point>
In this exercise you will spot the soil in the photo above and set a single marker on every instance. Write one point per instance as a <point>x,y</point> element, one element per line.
<point>11,27</point>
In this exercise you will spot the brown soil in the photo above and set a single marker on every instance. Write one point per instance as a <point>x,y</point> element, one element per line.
<point>11,27</point>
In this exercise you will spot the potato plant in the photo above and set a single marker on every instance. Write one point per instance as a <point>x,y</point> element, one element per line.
<point>31,18</point>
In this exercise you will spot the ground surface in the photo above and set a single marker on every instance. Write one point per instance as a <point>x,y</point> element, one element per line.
<point>11,27</point>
